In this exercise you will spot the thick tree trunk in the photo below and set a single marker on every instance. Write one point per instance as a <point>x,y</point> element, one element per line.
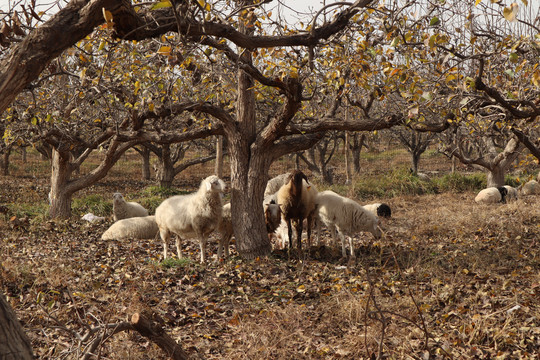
<point>415,158</point>
<point>166,172</point>
<point>356,150</point>
<point>495,176</point>
<point>14,344</point>
<point>59,196</point>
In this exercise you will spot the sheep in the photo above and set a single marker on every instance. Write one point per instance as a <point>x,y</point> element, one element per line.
<point>90,217</point>
<point>492,195</point>
<point>192,215</point>
<point>531,187</point>
<point>226,230</point>
<point>512,193</point>
<point>133,228</point>
<point>379,209</point>
<point>123,209</point>
<point>297,200</point>
<point>275,184</point>
<point>347,217</point>
<point>272,217</point>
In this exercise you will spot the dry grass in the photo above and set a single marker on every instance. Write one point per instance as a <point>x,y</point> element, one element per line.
<point>466,277</point>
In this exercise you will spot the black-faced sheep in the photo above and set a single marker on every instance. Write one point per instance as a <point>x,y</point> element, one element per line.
<point>379,209</point>
<point>347,217</point>
<point>132,228</point>
<point>194,215</point>
<point>297,201</point>
<point>123,209</point>
<point>492,195</point>
<point>512,193</point>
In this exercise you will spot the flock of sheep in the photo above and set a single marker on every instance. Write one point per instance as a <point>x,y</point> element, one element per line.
<point>290,201</point>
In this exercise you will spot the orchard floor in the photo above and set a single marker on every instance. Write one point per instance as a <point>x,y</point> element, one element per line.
<point>450,279</point>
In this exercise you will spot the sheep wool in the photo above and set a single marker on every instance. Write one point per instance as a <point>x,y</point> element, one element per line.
<point>192,216</point>
<point>297,199</point>
<point>132,228</point>
<point>379,209</point>
<point>347,217</point>
<point>491,195</point>
<point>275,184</point>
<point>123,209</point>
<point>531,188</point>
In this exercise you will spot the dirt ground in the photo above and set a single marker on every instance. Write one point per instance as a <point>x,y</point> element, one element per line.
<point>450,279</point>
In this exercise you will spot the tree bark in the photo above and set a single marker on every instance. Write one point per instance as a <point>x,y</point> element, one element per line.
<point>60,198</point>
<point>14,344</point>
<point>5,161</point>
<point>145,170</point>
<point>219,156</point>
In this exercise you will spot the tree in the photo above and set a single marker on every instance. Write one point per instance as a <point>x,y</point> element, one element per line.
<point>14,344</point>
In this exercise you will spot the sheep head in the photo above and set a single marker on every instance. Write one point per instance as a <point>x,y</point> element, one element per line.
<point>214,184</point>
<point>117,197</point>
<point>295,178</point>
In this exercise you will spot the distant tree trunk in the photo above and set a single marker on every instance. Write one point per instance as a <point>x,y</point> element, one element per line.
<point>23,153</point>
<point>145,155</point>
<point>347,159</point>
<point>14,344</point>
<point>415,158</point>
<point>61,171</point>
<point>356,149</point>
<point>5,161</point>
<point>219,156</point>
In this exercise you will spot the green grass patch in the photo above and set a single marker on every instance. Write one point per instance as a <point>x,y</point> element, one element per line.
<point>459,182</point>
<point>95,204</point>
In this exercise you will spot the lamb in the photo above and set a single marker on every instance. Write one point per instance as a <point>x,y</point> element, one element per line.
<point>275,184</point>
<point>530,188</point>
<point>492,195</point>
<point>297,200</point>
<point>379,209</point>
<point>192,215</point>
<point>347,217</point>
<point>123,209</point>
<point>512,193</point>
<point>132,228</point>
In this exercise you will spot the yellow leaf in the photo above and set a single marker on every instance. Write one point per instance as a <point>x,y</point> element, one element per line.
<point>107,15</point>
<point>477,2</point>
<point>151,107</point>
<point>164,50</point>
<point>511,12</point>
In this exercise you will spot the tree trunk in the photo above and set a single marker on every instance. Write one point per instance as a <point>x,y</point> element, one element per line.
<point>5,161</point>
<point>415,157</point>
<point>145,155</point>
<point>60,198</point>
<point>356,150</point>
<point>14,344</point>
<point>23,153</point>
<point>347,157</point>
<point>165,174</point>
<point>219,156</point>
<point>495,177</point>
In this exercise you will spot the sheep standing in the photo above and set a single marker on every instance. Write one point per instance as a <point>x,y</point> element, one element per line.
<point>123,209</point>
<point>132,228</point>
<point>193,215</point>
<point>347,217</point>
<point>379,209</point>
<point>512,193</point>
<point>297,201</point>
<point>492,195</point>
<point>273,185</point>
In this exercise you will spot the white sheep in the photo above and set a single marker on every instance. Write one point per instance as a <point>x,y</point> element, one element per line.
<point>492,195</point>
<point>273,185</point>
<point>132,228</point>
<point>531,187</point>
<point>193,215</point>
<point>298,202</point>
<point>123,209</point>
<point>379,209</point>
<point>512,193</point>
<point>347,217</point>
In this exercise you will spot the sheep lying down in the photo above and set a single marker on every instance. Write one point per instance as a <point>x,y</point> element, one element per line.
<point>345,216</point>
<point>492,195</point>
<point>132,228</point>
<point>123,209</point>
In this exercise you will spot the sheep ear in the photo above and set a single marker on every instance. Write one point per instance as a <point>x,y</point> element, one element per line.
<point>208,186</point>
